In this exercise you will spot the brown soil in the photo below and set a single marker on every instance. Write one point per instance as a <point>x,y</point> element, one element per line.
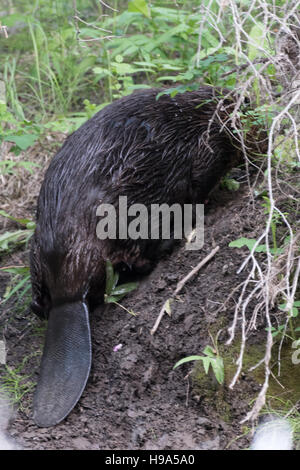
<point>134,399</point>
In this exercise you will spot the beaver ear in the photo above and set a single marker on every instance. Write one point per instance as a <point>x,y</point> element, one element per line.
<point>65,364</point>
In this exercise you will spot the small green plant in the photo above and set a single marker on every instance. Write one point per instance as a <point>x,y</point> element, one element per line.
<point>19,284</point>
<point>114,292</point>
<point>279,331</point>
<point>294,311</point>
<point>250,242</point>
<point>211,358</point>
<point>29,224</point>
<point>10,240</point>
<point>230,184</point>
<point>22,133</point>
<point>14,384</point>
<point>13,239</point>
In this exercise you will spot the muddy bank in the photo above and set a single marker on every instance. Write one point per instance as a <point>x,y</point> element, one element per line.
<point>134,399</point>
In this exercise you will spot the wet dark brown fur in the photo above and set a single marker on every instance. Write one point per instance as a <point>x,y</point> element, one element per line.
<point>150,150</point>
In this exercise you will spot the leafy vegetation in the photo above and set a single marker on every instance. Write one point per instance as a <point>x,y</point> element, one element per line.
<point>211,358</point>
<point>114,292</point>
<point>15,385</point>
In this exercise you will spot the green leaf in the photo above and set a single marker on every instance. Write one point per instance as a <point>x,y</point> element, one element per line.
<point>209,351</point>
<point>123,289</point>
<point>102,71</point>
<point>19,236</point>
<point>6,166</point>
<point>218,368</point>
<point>231,184</point>
<point>123,68</point>
<point>240,242</point>
<point>210,359</point>
<point>115,280</point>
<point>20,284</point>
<point>257,40</point>
<point>22,141</point>
<point>114,293</point>
<point>2,95</point>
<point>146,64</point>
<point>250,242</point>
<point>20,221</point>
<point>188,359</point>
<point>139,6</point>
<point>294,312</point>
<point>11,20</point>
<point>174,68</point>
<point>262,249</point>
<point>206,363</point>
<point>30,225</point>
<point>211,39</point>
<point>167,306</point>
<point>16,270</point>
<point>169,78</point>
<point>166,37</point>
<point>110,299</point>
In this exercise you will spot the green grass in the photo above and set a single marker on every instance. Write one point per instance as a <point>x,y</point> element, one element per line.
<point>15,384</point>
<point>63,62</point>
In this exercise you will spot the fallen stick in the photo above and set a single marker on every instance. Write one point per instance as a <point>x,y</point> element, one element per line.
<point>180,285</point>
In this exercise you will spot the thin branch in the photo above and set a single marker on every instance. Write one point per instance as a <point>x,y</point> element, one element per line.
<point>180,286</point>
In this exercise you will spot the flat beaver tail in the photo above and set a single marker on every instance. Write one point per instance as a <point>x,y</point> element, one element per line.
<point>65,364</point>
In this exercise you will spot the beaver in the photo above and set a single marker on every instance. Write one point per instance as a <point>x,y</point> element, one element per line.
<point>148,146</point>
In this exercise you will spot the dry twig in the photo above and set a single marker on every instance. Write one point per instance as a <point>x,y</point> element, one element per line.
<point>180,286</point>
<point>274,277</point>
